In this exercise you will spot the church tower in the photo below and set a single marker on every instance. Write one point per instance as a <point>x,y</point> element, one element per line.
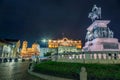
<point>24,47</point>
<point>35,48</point>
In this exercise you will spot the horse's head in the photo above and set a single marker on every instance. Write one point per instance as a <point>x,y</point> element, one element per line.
<point>90,15</point>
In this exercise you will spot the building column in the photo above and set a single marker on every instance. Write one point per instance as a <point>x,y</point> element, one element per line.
<point>90,55</point>
<point>76,56</point>
<point>84,56</point>
<point>99,55</point>
<point>62,56</point>
<point>2,54</point>
<point>59,56</point>
<point>3,51</point>
<point>80,56</point>
<point>69,56</point>
<point>73,56</point>
<point>112,56</point>
<point>105,56</point>
<point>95,56</point>
<point>87,55</point>
<point>118,55</point>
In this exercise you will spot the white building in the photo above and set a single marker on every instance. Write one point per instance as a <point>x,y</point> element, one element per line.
<point>9,48</point>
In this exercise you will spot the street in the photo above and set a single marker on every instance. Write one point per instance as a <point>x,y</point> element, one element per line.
<point>15,71</point>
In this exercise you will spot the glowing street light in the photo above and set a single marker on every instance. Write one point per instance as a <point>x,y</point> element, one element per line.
<point>44,40</point>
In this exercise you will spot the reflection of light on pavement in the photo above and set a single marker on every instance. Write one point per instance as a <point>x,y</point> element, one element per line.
<point>19,59</point>
<point>15,71</point>
<point>8,70</point>
<point>12,62</point>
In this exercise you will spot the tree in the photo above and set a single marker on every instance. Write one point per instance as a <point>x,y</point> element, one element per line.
<point>47,54</point>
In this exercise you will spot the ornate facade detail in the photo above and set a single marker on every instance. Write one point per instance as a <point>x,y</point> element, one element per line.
<point>64,42</point>
<point>99,31</point>
<point>65,45</point>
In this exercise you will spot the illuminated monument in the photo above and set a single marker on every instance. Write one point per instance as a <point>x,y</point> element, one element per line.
<point>100,46</point>
<point>99,36</point>
<point>28,52</point>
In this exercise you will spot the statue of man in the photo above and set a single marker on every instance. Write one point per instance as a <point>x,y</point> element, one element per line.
<point>111,34</point>
<point>96,35</point>
<point>95,14</point>
<point>87,36</point>
<point>101,32</point>
<point>95,8</point>
<point>104,33</point>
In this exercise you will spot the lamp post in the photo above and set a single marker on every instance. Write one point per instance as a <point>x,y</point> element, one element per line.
<point>45,42</point>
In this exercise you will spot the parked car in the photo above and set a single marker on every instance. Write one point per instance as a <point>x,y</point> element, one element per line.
<point>0,60</point>
<point>16,60</point>
<point>5,60</point>
<point>23,60</point>
<point>10,60</point>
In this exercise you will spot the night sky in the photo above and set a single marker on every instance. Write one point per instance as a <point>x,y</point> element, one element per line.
<point>33,20</point>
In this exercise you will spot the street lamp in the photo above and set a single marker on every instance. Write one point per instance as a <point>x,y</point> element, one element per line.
<point>45,44</point>
<point>44,40</point>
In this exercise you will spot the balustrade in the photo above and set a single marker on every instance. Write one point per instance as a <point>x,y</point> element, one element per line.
<point>91,55</point>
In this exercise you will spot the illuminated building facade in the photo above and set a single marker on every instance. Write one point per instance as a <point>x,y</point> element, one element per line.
<point>29,52</point>
<point>65,45</point>
<point>9,48</point>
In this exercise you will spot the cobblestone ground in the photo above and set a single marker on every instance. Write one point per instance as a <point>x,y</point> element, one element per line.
<point>15,71</point>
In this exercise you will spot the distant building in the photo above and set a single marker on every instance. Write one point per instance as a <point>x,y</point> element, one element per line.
<point>9,48</point>
<point>65,45</point>
<point>45,50</point>
<point>29,52</point>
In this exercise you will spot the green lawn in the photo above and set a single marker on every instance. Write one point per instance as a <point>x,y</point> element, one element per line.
<point>71,70</point>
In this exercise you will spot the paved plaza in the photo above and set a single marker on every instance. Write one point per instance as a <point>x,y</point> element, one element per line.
<point>15,71</point>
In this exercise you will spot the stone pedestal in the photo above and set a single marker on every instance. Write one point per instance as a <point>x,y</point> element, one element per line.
<point>100,38</point>
<point>83,74</point>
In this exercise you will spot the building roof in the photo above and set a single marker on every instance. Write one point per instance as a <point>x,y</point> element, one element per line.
<point>5,42</point>
<point>9,41</point>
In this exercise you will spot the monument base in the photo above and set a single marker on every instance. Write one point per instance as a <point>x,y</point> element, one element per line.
<point>102,44</point>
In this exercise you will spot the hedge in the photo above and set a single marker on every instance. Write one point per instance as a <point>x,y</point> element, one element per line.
<point>72,70</point>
